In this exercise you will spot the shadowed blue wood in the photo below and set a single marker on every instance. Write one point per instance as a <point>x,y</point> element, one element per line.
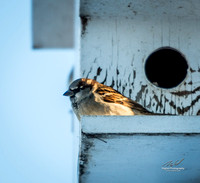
<point>140,149</point>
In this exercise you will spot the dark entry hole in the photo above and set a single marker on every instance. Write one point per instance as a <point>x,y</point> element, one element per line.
<point>166,68</point>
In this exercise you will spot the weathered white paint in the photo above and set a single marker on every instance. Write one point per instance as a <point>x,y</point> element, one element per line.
<point>140,159</point>
<point>145,8</point>
<point>118,37</point>
<point>119,154</point>
<point>53,23</point>
<point>140,124</point>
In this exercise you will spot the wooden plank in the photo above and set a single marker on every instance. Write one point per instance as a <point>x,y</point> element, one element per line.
<point>140,158</point>
<point>140,124</point>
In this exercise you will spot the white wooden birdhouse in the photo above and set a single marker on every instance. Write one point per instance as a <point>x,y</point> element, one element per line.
<point>149,51</point>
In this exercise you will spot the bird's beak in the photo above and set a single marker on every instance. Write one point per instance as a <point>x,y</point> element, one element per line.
<point>68,93</point>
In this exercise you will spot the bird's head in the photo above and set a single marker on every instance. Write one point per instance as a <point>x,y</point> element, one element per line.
<point>80,89</point>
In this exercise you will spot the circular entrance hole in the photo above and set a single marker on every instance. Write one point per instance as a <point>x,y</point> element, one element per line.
<point>166,68</point>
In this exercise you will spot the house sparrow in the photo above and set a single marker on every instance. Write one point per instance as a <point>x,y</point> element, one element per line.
<point>89,97</point>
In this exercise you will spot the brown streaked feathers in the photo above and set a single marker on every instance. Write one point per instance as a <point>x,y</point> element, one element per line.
<point>111,95</point>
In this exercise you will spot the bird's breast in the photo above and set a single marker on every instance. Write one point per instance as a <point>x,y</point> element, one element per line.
<point>99,107</point>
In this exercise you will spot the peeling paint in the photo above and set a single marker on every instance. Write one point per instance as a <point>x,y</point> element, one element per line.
<point>113,83</point>
<point>84,22</point>
<point>123,89</point>
<point>130,92</point>
<point>159,102</point>
<point>103,82</point>
<point>98,73</point>
<point>186,92</point>
<point>85,155</point>
<point>190,83</point>
<point>139,94</point>
<point>119,64</point>
<point>89,72</point>
<point>182,110</point>
<point>134,74</point>
<point>171,103</point>
<point>192,70</point>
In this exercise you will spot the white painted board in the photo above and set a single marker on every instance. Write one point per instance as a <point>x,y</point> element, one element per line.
<point>119,36</point>
<point>140,124</point>
<point>140,149</point>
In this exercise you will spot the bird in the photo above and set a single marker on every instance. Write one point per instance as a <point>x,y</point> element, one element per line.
<point>89,97</point>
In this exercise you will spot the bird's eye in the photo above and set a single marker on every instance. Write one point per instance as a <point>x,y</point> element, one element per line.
<point>75,90</point>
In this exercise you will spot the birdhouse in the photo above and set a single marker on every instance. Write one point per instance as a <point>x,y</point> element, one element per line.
<point>149,51</point>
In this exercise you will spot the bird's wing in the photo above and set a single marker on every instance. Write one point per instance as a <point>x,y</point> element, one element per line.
<point>110,95</point>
